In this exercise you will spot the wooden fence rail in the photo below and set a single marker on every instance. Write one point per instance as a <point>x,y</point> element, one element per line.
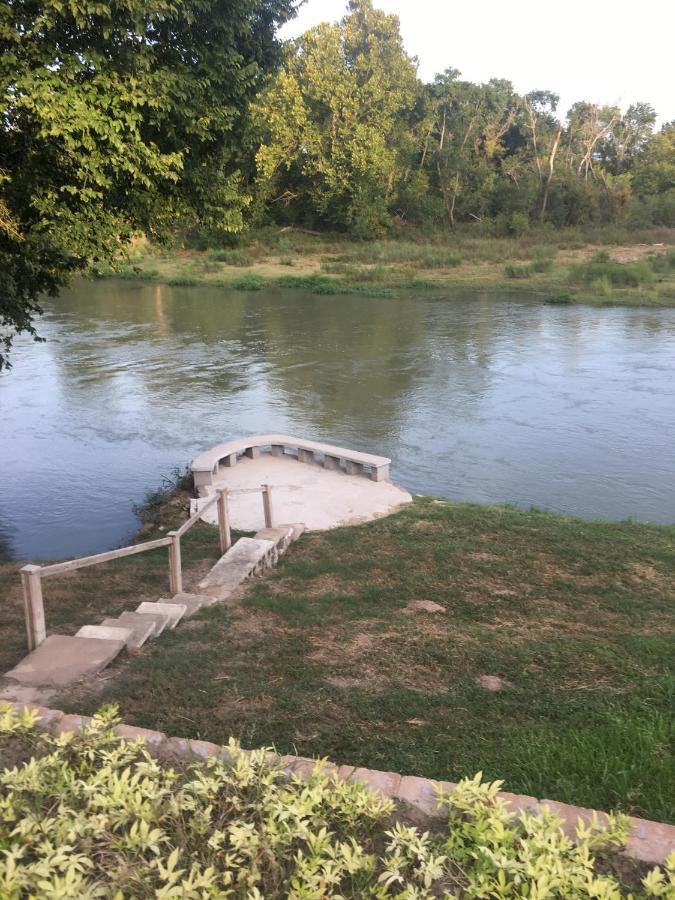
<point>31,575</point>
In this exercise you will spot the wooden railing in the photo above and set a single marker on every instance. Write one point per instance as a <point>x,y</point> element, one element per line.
<point>31,575</point>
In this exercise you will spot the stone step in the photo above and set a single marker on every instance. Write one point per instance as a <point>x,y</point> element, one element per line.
<point>61,660</point>
<point>192,602</point>
<point>141,628</point>
<point>282,535</point>
<point>106,632</point>
<point>158,620</point>
<point>247,557</point>
<point>174,611</point>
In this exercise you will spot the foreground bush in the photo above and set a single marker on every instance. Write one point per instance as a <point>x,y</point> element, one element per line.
<point>91,815</point>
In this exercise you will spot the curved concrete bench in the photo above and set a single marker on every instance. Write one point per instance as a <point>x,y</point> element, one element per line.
<point>205,466</point>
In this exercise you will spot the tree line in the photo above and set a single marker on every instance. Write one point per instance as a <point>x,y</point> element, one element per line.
<point>347,136</point>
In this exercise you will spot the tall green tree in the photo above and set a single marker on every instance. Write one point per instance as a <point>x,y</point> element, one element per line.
<point>118,115</point>
<point>335,123</point>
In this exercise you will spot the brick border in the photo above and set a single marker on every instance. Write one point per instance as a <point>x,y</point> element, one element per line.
<point>415,798</point>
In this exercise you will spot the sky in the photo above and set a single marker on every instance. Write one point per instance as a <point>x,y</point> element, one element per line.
<point>604,51</point>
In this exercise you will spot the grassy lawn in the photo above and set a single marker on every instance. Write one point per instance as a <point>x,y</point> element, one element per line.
<point>591,265</point>
<point>331,654</point>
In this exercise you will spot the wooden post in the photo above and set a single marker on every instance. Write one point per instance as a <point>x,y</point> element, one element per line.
<point>267,504</point>
<point>224,521</point>
<point>175,571</point>
<point>33,606</point>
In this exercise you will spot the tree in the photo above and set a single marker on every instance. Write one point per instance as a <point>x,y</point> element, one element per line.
<point>334,123</point>
<point>467,144</point>
<point>654,176</point>
<point>117,116</point>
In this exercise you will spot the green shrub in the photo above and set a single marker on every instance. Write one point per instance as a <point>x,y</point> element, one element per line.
<point>249,283</point>
<point>558,299</point>
<point>182,281</point>
<point>518,224</point>
<point>513,271</point>
<point>93,816</point>
<point>663,262</point>
<point>317,284</point>
<point>616,274</point>
<point>541,265</point>
<point>156,499</point>
<point>233,257</point>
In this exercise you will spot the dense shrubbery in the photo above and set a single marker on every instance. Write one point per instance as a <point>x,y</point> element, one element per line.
<point>92,816</point>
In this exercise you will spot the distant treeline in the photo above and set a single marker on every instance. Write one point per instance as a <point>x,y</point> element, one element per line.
<point>347,137</point>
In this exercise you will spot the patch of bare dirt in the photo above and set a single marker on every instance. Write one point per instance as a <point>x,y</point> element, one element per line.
<point>428,527</point>
<point>492,590</point>
<point>251,625</point>
<point>551,571</point>
<point>493,683</point>
<point>643,573</point>
<point>428,606</point>
<point>370,660</point>
<point>333,645</point>
<point>628,253</point>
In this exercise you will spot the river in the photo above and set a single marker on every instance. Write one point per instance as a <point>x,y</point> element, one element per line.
<point>475,397</point>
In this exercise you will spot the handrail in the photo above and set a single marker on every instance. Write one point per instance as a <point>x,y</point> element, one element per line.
<point>32,575</point>
<point>84,561</point>
<point>186,526</point>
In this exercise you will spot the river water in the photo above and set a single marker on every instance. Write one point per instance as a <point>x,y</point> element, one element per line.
<point>475,397</point>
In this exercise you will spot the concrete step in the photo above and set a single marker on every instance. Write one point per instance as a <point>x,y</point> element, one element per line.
<point>282,535</point>
<point>141,628</point>
<point>157,620</point>
<point>192,602</point>
<point>116,632</point>
<point>174,611</point>
<point>247,557</point>
<point>61,660</point>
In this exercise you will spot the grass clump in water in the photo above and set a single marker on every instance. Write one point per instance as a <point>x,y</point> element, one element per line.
<point>316,283</point>
<point>560,298</point>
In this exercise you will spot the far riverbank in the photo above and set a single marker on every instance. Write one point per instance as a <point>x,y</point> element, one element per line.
<point>593,266</point>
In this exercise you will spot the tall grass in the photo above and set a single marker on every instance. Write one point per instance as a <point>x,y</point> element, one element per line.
<point>613,273</point>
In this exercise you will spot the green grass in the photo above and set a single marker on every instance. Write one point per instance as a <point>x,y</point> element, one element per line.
<point>322,656</point>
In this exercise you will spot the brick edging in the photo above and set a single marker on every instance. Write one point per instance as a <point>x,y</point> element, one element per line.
<point>416,798</point>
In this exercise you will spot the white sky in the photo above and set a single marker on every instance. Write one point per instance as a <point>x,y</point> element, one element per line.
<point>606,51</point>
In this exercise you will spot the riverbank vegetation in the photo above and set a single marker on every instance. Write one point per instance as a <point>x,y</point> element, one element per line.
<point>239,827</point>
<point>600,266</point>
<point>443,640</point>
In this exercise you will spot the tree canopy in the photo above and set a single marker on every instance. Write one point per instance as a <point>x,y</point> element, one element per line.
<point>348,137</point>
<point>117,116</point>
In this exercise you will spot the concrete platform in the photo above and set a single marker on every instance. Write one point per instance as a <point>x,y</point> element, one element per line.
<point>319,497</point>
<point>62,660</point>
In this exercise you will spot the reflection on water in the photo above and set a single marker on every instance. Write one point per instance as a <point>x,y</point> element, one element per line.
<point>490,400</point>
